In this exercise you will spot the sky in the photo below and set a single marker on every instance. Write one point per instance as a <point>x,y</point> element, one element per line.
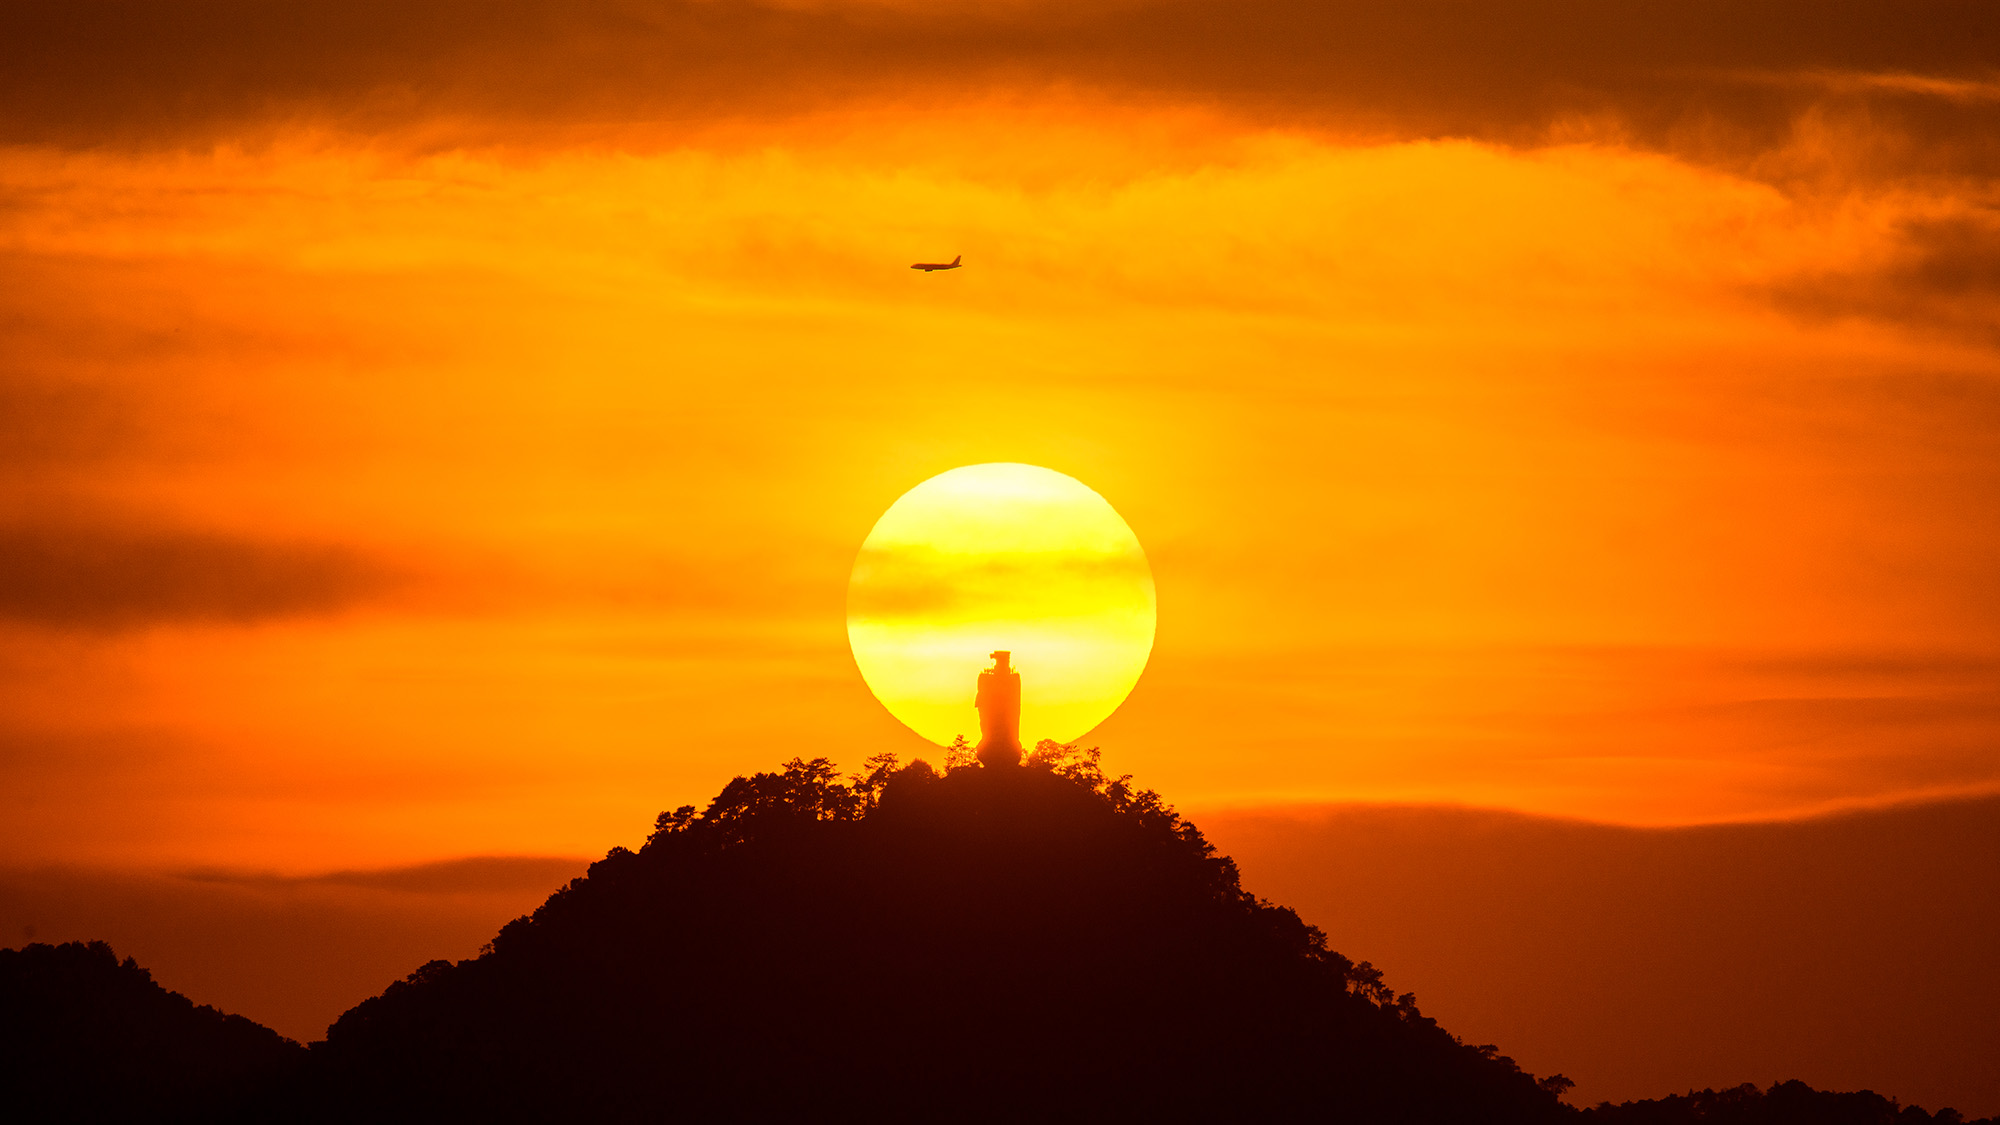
<point>448,429</point>
<point>443,430</point>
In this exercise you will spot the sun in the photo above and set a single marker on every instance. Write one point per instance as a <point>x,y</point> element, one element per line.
<point>1001,556</point>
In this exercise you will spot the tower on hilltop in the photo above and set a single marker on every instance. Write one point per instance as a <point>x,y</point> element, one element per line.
<point>999,703</point>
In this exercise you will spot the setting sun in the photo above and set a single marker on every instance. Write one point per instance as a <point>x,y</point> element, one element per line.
<point>1001,556</point>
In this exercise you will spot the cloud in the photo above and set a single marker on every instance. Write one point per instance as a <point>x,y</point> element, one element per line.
<point>470,875</point>
<point>1941,273</point>
<point>45,422</point>
<point>1706,74</point>
<point>904,582</point>
<point>41,761</point>
<point>1851,82</point>
<point>68,577</point>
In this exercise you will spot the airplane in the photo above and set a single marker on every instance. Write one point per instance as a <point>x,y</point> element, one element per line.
<point>929,266</point>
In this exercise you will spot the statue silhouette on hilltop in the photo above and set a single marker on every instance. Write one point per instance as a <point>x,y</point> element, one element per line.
<point>999,703</point>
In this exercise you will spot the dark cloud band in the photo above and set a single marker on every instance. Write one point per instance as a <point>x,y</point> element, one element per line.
<point>76,578</point>
<point>1699,72</point>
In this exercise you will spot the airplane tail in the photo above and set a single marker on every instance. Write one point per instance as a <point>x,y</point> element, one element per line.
<point>954,260</point>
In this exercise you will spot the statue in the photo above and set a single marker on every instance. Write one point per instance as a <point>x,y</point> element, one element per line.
<point>999,703</point>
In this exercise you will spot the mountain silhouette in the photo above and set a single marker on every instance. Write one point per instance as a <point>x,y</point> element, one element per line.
<point>1018,943</point>
<point>1785,1103</point>
<point>86,1038</point>
<point>997,944</point>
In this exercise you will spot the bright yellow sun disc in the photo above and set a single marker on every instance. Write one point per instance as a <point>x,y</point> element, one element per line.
<point>1001,556</point>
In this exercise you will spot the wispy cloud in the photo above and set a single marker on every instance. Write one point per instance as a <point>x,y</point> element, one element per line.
<point>1942,87</point>
<point>70,577</point>
<point>471,875</point>
<point>1934,272</point>
<point>906,582</point>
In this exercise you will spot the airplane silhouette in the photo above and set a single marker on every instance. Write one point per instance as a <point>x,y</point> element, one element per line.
<point>929,266</point>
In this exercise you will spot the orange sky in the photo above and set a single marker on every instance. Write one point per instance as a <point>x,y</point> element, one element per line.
<point>445,430</point>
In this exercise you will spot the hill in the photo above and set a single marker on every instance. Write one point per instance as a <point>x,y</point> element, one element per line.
<point>87,1038</point>
<point>1035,943</point>
<point>1784,1103</point>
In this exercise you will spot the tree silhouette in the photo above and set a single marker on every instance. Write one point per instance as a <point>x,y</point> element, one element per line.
<point>1045,942</point>
<point>88,1038</point>
<point>1785,1103</point>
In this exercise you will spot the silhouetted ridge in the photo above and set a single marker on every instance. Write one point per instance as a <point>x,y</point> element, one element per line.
<point>1785,1103</point>
<point>1035,943</point>
<point>85,1038</point>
